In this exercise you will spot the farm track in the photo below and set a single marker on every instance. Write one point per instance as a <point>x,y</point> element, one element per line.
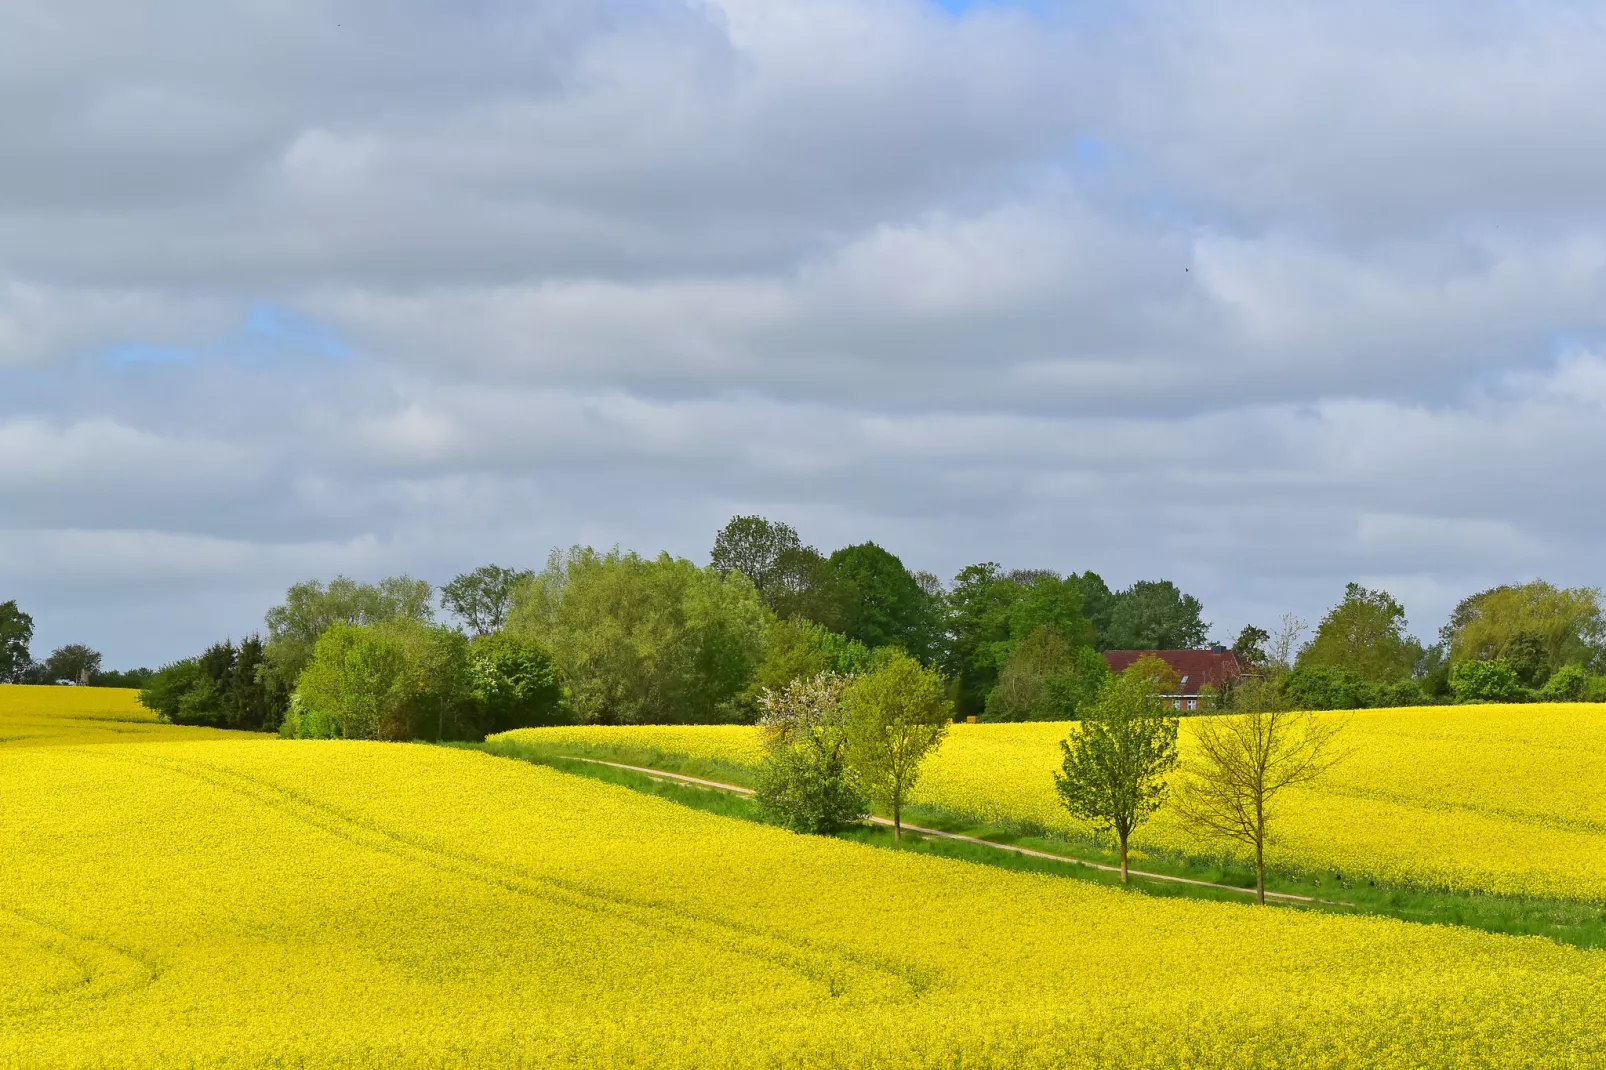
<point>681,778</point>
<point>837,969</point>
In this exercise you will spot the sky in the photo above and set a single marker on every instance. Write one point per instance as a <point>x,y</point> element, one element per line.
<point>1257,298</point>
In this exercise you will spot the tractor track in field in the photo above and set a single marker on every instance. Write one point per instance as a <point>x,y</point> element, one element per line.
<point>737,789</point>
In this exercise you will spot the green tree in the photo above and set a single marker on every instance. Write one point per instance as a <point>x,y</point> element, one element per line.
<point>481,599</point>
<point>16,632</point>
<point>1098,605</point>
<point>803,783</point>
<point>754,547</point>
<point>75,662</point>
<point>1327,687</point>
<point>800,649</point>
<point>893,717</point>
<point>890,608</point>
<point>645,641</point>
<point>393,680</point>
<point>1365,633</point>
<point>978,605</point>
<point>1557,626</point>
<point>1250,646</point>
<point>1152,615</point>
<point>1241,763</point>
<point>516,683</point>
<point>1493,680</point>
<point>310,608</point>
<point>806,587</point>
<point>224,687</point>
<point>1046,679</point>
<point>1116,759</point>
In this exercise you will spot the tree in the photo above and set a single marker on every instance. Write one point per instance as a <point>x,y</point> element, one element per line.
<point>310,608</point>
<point>1365,633</point>
<point>990,613</point>
<point>1241,763</point>
<point>806,587</point>
<point>1250,646</point>
<point>75,662</point>
<point>1327,687</point>
<point>383,681</point>
<point>893,717</point>
<point>482,598</point>
<point>799,649</point>
<point>16,632</point>
<point>803,783</point>
<point>515,682</point>
<point>890,608</point>
<point>1117,758</point>
<point>1553,626</point>
<point>1046,679</point>
<point>754,547</point>
<point>1098,604</point>
<point>1290,629</point>
<point>1154,615</point>
<point>645,640</point>
<point>224,687</point>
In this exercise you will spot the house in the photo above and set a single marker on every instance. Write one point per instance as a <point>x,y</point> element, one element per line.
<point>1216,666</point>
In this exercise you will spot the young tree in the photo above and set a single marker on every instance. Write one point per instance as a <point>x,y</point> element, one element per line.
<point>1242,762</point>
<point>1250,647</point>
<point>1117,758</point>
<point>894,716</point>
<point>482,598</point>
<point>754,546</point>
<point>803,783</point>
<point>1290,629</point>
<point>310,608</point>
<point>16,632</point>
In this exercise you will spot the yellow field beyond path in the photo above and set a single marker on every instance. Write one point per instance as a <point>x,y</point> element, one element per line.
<point>255,903</point>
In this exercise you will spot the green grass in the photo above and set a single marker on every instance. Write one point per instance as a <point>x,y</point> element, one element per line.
<point>1581,924</point>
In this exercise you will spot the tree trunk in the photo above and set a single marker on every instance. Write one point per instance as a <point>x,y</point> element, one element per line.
<point>1260,869</point>
<point>1123,858</point>
<point>897,819</point>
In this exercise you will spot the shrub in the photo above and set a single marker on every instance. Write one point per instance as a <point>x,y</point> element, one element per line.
<point>1327,687</point>
<point>803,783</point>
<point>1566,684</point>
<point>1486,681</point>
<point>385,681</point>
<point>515,683</point>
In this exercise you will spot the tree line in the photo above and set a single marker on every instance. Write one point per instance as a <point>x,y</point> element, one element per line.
<point>71,663</point>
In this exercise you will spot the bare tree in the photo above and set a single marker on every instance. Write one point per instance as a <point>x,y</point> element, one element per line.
<point>1286,644</point>
<point>1242,762</point>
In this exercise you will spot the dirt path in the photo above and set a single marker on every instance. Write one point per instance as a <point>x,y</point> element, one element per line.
<point>681,778</point>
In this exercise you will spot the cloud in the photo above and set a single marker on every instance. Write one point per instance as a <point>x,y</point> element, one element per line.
<point>1257,300</point>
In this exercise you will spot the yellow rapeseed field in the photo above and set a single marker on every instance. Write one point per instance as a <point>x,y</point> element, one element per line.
<point>1502,799</point>
<point>263,903</point>
<point>33,716</point>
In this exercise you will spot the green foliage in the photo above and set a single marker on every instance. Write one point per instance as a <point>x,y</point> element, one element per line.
<point>1365,634</point>
<point>16,632</point>
<point>75,663</point>
<point>310,608</point>
<point>135,678</point>
<point>481,599</point>
<point>1566,684</point>
<point>990,613</point>
<point>224,687</point>
<point>1116,759</point>
<point>1327,687</point>
<point>1486,681</point>
<point>756,548</point>
<point>1563,626</point>
<point>515,682</point>
<point>645,641</point>
<point>889,607</point>
<point>1046,679</point>
<point>1153,615</point>
<point>893,717</point>
<point>799,649</point>
<point>803,783</point>
<point>1250,646</point>
<point>393,681</point>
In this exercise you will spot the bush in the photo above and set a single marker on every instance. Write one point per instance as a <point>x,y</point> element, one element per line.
<point>803,782</point>
<point>388,681</point>
<point>1486,681</point>
<point>515,684</point>
<point>1566,684</point>
<point>224,688</point>
<point>1327,687</point>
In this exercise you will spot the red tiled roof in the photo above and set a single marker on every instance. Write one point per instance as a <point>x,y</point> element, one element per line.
<point>1195,667</point>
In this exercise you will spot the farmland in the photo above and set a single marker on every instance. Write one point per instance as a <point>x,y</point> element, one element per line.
<point>251,901</point>
<point>1498,799</point>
